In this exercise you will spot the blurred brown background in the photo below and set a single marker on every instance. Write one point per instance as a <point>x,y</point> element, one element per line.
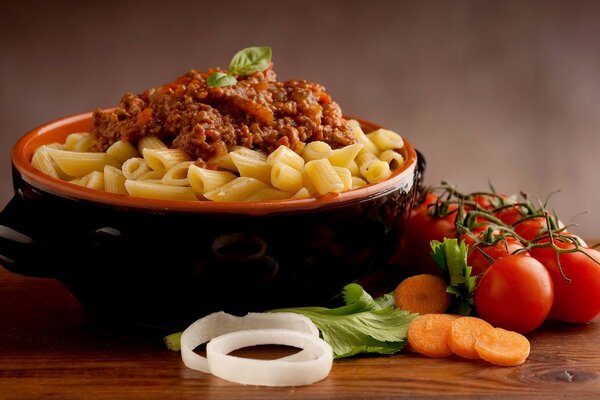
<point>508,91</point>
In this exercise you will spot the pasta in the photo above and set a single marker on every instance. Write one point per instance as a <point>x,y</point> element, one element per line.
<point>163,159</point>
<point>156,190</point>
<point>324,177</point>
<point>114,180</point>
<point>151,169</point>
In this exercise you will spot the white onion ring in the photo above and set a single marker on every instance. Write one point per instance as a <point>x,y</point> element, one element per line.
<point>220,323</point>
<point>269,372</point>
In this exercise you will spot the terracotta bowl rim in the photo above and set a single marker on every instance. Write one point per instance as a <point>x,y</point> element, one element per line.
<point>23,151</point>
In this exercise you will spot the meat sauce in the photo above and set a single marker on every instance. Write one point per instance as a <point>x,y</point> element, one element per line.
<point>257,112</point>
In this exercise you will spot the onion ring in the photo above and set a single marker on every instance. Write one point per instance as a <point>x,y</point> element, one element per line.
<point>269,372</point>
<point>221,323</point>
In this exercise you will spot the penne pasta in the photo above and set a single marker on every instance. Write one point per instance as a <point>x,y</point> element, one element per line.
<point>301,194</point>
<point>224,162</point>
<point>268,194</point>
<point>393,158</point>
<point>344,156</point>
<point>378,171</point>
<point>364,160</point>
<point>354,170</point>
<point>114,180</point>
<point>385,139</point>
<point>287,156</point>
<point>79,164</point>
<point>152,143</point>
<point>244,151</point>
<point>204,180</point>
<point>323,176</point>
<point>79,142</point>
<point>315,151</point>
<point>43,162</point>
<point>252,167</point>
<point>358,182</point>
<point>286,178</point>
<point>156,190</point>
<point>162,160</point>
<point>361,138</point>
<point>134,168</point>
<point>345,176</point>
<point>177,175</point>
<point>122,151</point>
<point>93,180</point>
<point>236,190</point>
<point>151,175</point>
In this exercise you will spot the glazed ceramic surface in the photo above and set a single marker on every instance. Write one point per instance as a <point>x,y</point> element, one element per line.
<point>167,263</point>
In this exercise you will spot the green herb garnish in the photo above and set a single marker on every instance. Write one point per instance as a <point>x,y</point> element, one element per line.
<point>250,60</point>
<point>362,325</point>
<point>451,257</point>
<point>219,79</point>
<point>245,62</point>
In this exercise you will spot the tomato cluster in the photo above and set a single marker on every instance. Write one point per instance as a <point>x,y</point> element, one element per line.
<point>528,266</point>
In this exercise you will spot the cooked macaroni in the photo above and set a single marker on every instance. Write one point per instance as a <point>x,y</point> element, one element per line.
<point>152,170</point>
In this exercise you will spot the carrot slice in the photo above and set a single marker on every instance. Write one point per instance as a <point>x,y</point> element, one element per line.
<point>464,334</point>
<point>428,334</point>
<point>423,294</point>
<point>502,347</point>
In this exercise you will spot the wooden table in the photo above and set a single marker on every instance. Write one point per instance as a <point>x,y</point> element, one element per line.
<point>50,348</point>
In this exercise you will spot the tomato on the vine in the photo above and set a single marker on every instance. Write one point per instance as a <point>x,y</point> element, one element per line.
<point>419,230</point>
<point>515,293</point>
<point>579,299</point>
<point>478,260</point>
<point>509,215</point>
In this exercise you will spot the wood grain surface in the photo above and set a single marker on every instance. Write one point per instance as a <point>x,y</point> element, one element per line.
<point>51,349</point>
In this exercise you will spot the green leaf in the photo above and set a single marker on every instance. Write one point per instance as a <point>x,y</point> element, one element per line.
<point>220,79</point>
<point>386,301</point>
<point>250,60</point>
<point>452,259</point>
<point>363,325</point>
<point>439,255</point>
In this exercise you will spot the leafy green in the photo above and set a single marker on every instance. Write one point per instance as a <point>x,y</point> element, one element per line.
<point>250,60</point>
<point>245,62</point>
<point>362,325</point>
<point>220,79</point>
<point>451,257</point>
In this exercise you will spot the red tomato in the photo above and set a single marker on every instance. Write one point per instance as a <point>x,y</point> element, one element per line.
<point>579,300</point>
<point>515,293</point>
<point>509,215</point>
<point>419,230</point>
<point>496,251</point>
<point>531,228</point>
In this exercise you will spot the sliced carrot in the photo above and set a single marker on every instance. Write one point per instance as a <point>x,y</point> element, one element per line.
<point>428,334</point>
<point>464,334</point>
<point>423,294</point>
<point>502,347</point>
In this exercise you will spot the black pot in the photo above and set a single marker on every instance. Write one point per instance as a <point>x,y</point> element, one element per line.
<point>166,263</point>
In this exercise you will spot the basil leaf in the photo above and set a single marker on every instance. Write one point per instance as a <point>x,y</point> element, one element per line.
<point>220,79</point>
<point>250,60</point>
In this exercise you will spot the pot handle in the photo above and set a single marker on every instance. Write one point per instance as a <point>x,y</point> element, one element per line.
<point>20,252</point>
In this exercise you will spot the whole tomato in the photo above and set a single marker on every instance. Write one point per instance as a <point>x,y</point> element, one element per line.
<point>531,228</point>
<point>419,230</point>
<point>510,215</point>
<point>515,293</point>
<point>477,252</point>
<point>579,299</point>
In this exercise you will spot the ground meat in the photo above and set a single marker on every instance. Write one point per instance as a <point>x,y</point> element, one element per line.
<point>258,112</point>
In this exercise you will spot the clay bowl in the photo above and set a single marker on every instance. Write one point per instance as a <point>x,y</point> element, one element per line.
<point>166,263</point>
